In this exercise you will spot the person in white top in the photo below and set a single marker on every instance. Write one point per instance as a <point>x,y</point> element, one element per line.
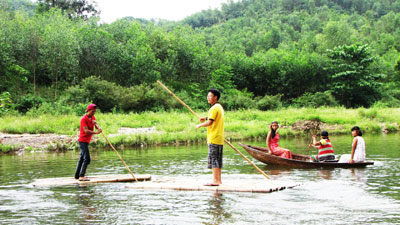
<point>357,150</point>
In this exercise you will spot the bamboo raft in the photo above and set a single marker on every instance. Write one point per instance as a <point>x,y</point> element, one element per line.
<point>229,185</point>
<point>60,181</point>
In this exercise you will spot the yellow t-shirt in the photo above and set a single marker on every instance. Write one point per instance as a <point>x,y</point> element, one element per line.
<point>215,132</point>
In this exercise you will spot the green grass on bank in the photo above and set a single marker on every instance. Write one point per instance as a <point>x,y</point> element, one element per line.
<point>173,127</point>
<point>9,148</point>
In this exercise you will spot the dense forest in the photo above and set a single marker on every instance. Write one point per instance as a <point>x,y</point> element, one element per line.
<point>56,56</point>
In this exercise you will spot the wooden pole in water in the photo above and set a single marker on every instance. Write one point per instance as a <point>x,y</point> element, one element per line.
<point>118,154</point>
<point>316,128</point>
<point>227,142</point>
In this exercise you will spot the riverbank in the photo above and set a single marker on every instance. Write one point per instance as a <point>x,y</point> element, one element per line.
<point>150,128</point>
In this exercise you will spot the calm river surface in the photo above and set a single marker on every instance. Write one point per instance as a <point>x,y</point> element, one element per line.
<point>337,196</point>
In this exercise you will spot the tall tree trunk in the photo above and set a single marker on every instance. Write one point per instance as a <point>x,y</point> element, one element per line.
<point>34,78</point>
<point>55,89</point>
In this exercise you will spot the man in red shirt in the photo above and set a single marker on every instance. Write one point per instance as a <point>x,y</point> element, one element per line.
<point>88,122</point>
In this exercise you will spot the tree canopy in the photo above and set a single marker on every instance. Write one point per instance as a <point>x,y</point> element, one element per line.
<point>73,8</point>
<point>260,53</point>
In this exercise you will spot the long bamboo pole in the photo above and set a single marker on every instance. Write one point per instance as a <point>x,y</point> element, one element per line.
<point>315,133</point>
<point>227,142</point>
<point>117,154</point>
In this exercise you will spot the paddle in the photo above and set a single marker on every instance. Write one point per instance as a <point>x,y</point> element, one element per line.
<point>315,133</point>
<point>227,142</point>
<point>98,126</point>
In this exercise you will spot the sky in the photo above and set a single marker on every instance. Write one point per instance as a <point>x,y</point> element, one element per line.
<point>153,9</point>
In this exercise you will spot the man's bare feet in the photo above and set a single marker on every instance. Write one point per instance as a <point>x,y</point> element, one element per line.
<point>84,179</point>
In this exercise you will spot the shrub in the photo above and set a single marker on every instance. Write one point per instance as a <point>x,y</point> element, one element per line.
<point>368,113</point>
<point>5,102</point>
<point>390,97</point>
<point>76,94</point>
<point>101,92</point>
<point>194,102</point>
<point>95,90</point>
<point>26,102</point>
<point>111,97</point>
<point>9,148</point>
<point>315,100</point>
<point>269,102</point>
<point>59,107</point>
<point>235,99</point>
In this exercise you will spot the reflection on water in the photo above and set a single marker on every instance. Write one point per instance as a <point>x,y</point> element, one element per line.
<point>85,198</point>
<point>340,196</point>
<point>326,174</point>
<point>218,209</point>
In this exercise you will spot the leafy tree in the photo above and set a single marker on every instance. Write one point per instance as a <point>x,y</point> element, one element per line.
<point>26,6</point>
<point>73,8</point>
<point>354,84</point>
<point>97,52</point>
<point>221,79</point>
<point>247,48</point>
<point>335,33</point>
<point>59,49</point>
<point>13,76</point>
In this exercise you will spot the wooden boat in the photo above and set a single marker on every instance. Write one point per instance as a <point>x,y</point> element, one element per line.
<point>298,161</point>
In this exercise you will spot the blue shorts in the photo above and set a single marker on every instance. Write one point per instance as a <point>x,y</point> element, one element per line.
<point>215,156</point>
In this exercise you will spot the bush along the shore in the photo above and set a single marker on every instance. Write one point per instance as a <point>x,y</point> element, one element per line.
<point>9,148</point>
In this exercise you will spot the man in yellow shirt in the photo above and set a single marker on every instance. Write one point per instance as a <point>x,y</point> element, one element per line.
<point>215,135</point>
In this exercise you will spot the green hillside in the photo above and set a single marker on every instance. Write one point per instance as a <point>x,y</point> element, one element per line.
<point>262,54</point>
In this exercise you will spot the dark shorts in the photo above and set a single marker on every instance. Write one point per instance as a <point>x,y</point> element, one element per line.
<point>215,156</point>
<point>323,158</point>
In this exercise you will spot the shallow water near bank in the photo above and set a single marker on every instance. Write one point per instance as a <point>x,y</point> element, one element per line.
<point>340,196</point>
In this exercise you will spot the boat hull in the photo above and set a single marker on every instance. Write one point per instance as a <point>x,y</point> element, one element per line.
<point>298,161</point>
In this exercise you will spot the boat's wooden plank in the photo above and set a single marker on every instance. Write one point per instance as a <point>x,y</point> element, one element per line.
<point>93,180</point>
<point>229,185</point>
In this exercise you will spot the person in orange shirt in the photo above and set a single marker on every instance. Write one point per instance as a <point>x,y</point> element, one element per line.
<point>215,135</point>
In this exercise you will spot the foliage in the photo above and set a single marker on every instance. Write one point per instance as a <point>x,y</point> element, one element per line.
<point>27,102</point>
<point>109,96</point>
<point>173,127</point>
<point>269,102</point>
<point>249,49</point>
<point>368,113</point>
<point>60,50</point>
<point>14,5</point>
<point>235,99</point>
<point>9,148</point>
<point>60,107</point>
<point>73,8</point>
<point>353,82</point>
<point>221,79</point>
<point>318,99</point>
<point>5,102</point>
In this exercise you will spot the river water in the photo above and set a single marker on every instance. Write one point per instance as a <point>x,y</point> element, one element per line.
<point>338,196</point>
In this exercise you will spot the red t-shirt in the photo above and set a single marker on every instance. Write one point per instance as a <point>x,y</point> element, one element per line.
<point>86,122</point>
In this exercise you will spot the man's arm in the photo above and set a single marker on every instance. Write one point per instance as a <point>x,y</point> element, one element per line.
<point>87,131</point>
<point>205,124</point>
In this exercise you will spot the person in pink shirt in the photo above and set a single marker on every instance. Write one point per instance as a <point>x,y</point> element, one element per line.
<point>88,122</point>
<point>272,142</point>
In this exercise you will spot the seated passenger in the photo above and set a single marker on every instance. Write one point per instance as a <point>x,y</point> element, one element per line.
<point>272,142</point>
<point>325,149</point>
<point>357,150</point>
